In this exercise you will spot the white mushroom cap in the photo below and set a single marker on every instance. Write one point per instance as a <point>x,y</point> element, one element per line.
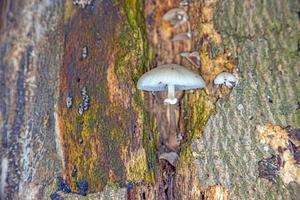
<point>170,74</point>
<point>170,77</point>
<point>225,78</point>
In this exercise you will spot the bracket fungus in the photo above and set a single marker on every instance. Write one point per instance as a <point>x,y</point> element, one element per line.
<point>226,79</point>
<point>176,16</point>
<point>170,77</point>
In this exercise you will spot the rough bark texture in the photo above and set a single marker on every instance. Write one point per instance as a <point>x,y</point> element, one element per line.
<point>29,62</point>
<point>264,36</point>
<point>52,50</point>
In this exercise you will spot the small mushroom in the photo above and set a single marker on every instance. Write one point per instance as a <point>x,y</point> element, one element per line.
<point>182,36</point>
<point>84,52</point>
<point>192,57</point>
<point>176,16</point>
<point>170,77</point>
<point>171,157</point>
<point>226,79</point>
<point>80,109</point>
<point>69,101</point>
<point>184,3</point>
<point>83,91</point>
<point>82,3</point>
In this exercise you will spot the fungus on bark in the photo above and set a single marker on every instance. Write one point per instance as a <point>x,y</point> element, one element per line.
<point>69,102</point>
<point>82,3</point>
<point>184,3</point>
<point>192,57</point>
<point>182,36</point>
<point>171,157</point>
<point>170,77</point>
<point>176,16</point>
<point>226,79</point>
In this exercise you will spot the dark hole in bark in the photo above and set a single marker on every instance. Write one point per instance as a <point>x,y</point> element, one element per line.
<point>202,196</point>
<point>269,168</point>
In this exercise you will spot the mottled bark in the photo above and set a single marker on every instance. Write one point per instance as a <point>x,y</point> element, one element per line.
<point>264,36</point>
<point>30,53</point>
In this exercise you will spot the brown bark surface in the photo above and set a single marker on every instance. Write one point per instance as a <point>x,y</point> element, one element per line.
<point>52,50</point>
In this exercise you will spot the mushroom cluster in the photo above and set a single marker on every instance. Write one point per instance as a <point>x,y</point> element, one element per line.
<point>82,3</point>
<point>177,17</point>
<point>85,104</point>
<point>173,77</point>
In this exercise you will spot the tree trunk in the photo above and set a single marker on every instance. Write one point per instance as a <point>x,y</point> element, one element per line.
<point>71,114</point>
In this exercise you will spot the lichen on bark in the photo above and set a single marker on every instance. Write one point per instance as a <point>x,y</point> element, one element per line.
<point>113,133</point>
<point>262,35</point>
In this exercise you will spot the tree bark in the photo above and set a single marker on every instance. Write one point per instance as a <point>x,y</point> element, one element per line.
<point>70,108</point>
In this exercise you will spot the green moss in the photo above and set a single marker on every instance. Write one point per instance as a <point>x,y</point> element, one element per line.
<point>134,48</point>
<point>238,8</point>
<point>69,10</point>
<point>134,12</point>
<point>94,141</point>
<point>132,60</point>
<point>149,146</point>
<point>198,109</point>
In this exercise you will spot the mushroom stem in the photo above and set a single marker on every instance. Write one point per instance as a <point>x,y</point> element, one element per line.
<point>171,95</point>
<point>171,140</point>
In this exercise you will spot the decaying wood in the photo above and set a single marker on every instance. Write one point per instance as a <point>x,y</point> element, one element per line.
<point>69,106</point>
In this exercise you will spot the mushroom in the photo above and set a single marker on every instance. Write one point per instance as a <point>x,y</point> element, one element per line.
<point>182,36</point>
<point>184,3</point>
<point>226,79</point>
<point>170,77</point>
<point>171,157</point>
<point>176,16</point>
<point>193,57</point>
<point>69,101</point>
